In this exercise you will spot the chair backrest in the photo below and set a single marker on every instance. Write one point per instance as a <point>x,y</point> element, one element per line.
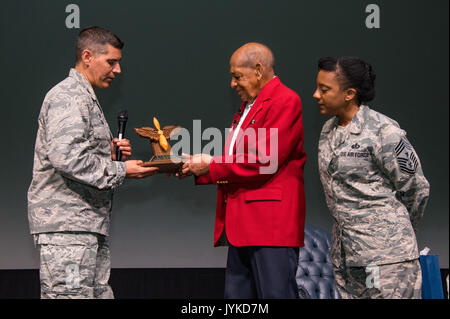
<point>314,277</point>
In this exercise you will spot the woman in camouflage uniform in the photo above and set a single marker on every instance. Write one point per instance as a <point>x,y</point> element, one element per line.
<point>373,184</point>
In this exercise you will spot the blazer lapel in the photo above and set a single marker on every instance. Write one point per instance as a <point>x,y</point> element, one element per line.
<point>265,94</point>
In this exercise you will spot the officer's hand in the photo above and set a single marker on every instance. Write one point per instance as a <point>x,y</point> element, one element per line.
<point>124,145</point>
<point>134,170</point>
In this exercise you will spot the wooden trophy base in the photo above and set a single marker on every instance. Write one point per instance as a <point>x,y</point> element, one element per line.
<point>165,163</point>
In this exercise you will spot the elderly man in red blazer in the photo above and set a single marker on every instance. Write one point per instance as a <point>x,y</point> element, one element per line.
<point>260,210</point>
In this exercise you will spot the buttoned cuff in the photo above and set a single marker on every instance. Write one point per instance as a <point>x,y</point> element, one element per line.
<point>214,168</point>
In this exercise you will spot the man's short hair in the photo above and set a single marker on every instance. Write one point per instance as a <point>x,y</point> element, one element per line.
<point>259,53</point>
<point>95,38</point>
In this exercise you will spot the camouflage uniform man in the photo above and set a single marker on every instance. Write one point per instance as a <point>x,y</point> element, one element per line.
<point>75,173</point>
<point>374,187</point>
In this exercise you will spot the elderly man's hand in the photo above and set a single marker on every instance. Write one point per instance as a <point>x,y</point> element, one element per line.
<point>198,165</point>
<point>185,167</point>
<point>124,145</point>
<point>184,172</point>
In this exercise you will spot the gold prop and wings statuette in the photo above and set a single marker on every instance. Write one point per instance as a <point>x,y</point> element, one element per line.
<point>158,135</point>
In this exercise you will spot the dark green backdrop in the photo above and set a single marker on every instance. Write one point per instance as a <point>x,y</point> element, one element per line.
<point>175,67</point>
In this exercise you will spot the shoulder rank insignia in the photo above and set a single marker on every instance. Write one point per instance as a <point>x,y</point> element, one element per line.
<point>406,157</point>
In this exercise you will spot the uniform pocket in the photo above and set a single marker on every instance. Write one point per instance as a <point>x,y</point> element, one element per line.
<point>273,194</point>
<point>101,134</point>
<point>67,265</point>
<point>67,239</point>
<point>100,127</point>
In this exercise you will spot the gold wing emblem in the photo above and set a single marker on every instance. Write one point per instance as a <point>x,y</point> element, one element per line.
<point>170,129</point>
<point>148,132</point>
<point>158,135</point>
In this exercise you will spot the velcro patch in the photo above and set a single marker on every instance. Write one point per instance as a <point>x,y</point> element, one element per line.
<point>406,157</point>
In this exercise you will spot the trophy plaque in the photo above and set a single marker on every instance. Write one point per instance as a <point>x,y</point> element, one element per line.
<point>162,153</point>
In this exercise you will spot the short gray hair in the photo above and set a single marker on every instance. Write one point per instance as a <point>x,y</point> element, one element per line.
<point>94,39</point>
<point>259,53</point>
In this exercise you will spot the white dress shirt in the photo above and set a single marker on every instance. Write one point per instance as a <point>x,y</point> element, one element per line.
<point>236,130</point>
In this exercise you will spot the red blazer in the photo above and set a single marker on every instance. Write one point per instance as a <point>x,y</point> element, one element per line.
<point>262,209</point>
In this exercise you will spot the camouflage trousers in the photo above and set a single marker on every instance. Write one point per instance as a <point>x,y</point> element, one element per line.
<point>401,280</point>
<point>74,265</point>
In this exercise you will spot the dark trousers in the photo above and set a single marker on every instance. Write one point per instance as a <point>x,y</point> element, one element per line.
<point>261,272</point>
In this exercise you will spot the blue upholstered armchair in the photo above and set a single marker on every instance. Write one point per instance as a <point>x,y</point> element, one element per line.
<point>315,278</point>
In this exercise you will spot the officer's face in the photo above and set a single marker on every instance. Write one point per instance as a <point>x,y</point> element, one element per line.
<point>329,95</point>
<point>104,67</point>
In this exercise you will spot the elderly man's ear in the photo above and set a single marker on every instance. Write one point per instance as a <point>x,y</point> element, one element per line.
<point>259,71</point>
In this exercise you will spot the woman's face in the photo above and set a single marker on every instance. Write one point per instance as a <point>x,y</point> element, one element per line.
<point>331,98</point>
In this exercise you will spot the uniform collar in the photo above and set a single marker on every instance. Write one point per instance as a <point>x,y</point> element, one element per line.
<point>83,82</point>
<point>357,121</point>
<point>355,125</point>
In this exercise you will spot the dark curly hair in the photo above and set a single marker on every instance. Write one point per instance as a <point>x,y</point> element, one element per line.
<point>352,72</point>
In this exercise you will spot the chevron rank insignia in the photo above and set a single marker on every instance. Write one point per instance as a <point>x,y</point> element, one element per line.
<point>406,157</point>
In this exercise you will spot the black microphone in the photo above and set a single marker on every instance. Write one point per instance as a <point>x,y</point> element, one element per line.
<point>122,118</point>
